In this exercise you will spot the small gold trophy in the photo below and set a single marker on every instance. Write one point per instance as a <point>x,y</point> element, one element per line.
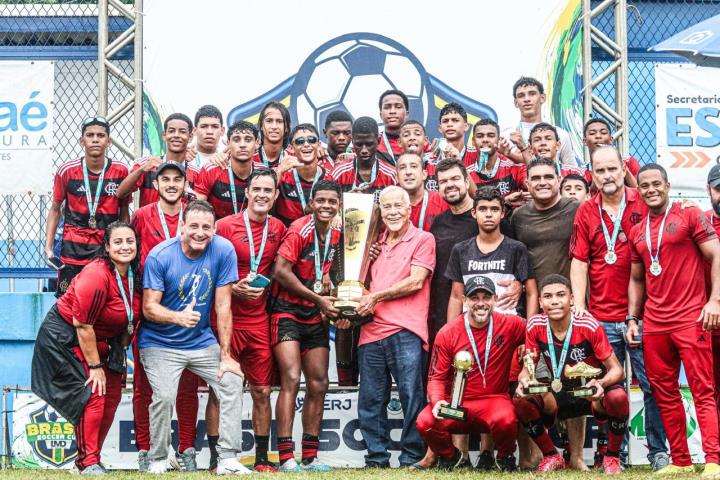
<point>534,386</point>
<point>583,371</point>
<point>462,362</point>
<point>361,224</point>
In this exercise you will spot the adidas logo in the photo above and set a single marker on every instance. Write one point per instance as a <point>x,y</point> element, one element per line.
<point>226,194</point>
<point>292,194</point>
<point>81,189</point>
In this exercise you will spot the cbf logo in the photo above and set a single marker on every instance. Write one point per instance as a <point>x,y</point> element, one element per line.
<point>51,437</point>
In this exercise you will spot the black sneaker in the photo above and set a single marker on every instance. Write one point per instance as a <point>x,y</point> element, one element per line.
<point>451,463</point>
<point>213,460</point>
<point>486,461</point>
<point>506,464</point>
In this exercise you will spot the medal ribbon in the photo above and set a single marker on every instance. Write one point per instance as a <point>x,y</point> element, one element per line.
<point>255,261</point>
<point>557,370</point>
<point>421,222</point>
<point>231,181</point>
<point>165,228</point>
<point>482,161</point>
<point>488,344</point>
<point>128,304</point>
<point>93,204</point>
<point>373,176</point>
<point>648,240</point>
<point>386,141</point>
<point>298,185</point>
<point>265,161</point>
<point>198,160</point>
<point>610,242</point>
<point>318,262</point>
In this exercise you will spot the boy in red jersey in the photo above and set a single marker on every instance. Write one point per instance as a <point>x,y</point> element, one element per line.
<point>394,110</point>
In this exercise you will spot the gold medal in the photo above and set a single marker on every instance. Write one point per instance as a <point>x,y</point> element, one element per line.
<point>556,385</point>
<point>130,328</point>
<point>92,223</point>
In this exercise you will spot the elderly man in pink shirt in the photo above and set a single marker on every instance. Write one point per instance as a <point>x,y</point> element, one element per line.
<point>394,344</point>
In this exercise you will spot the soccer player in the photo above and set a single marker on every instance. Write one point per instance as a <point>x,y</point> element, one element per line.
<point>492,338</point>
<point>155,223</point>
<point>296,184</point>
<point>214,185</point>
<point>453,125</point>
<point>256,237</point>
<point>667,271</point>
<point>529,97</point>
<point>425,205</point>
<point>274,127</point>
<point>299,336</point>
<point>713,215</point>
<point>184,279</point>
<point>606,275</point>
<point>338,131</point>
<point>367,172</point>
<point>565,339</point>
<point>575,186</point>
<point>596,133</point>
<point>394,110</point>
<point>86,187</point>
<point>176,133</point>
<point>209,130</point>
<point>545,143</point>
<point>414,140</point>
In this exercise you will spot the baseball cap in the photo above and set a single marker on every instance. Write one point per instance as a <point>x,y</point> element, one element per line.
<point>169,164</point>
<point>714,176</point>
<point>479,282</point>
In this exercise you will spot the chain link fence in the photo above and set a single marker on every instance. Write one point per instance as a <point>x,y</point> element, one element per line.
<point>65,34</point>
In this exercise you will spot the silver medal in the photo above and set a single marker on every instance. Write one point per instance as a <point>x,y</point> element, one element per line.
<point>317,287</point>
<point>251,276</point>
<point>655,268</point>
<point>92,223</point>
<point>556,385</point>
<point>610,257</point>
<point>130,328</point>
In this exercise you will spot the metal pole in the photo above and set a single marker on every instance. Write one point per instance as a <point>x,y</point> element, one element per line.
<point>621,76</point>
<point>102,45</point>
<point>138,112</point>
<point>587,60</point>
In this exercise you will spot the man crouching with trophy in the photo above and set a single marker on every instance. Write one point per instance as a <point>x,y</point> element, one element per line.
<point>469,375</point>
<point>574,349</point>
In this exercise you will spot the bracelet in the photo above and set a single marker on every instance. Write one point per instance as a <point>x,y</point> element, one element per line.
<point>632,317</point>
<point>96,366</point>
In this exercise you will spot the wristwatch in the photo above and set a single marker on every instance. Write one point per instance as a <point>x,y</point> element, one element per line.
<point>96,366</point>
<point>632,317</point>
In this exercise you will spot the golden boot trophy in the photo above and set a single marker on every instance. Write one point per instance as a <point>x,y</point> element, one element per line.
<point>583,371</point>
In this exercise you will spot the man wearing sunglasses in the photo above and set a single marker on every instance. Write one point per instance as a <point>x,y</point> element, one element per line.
<point>86,187</point>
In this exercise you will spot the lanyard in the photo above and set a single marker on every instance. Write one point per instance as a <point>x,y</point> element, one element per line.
<point>93,203</point>
<point>165,228</point>
<point>198,160</point>
<point>318,262</point>
<point>655,259</point>
<point>373,176</point>
<point>557,368</point>
<point>255,261</point>
<point>231,181</point>
<point>388,147</point>
<point>488,342</point>
<point>128,304</point>
<point>610,242</point>
<point>482,161</point>
<point>265,161</point>
<point>298,185</point>
<point>441,153</point>
<point>421,222</point>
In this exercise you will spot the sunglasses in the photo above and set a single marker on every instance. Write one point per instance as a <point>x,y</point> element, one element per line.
<point>301,140</point>
<point>95,120</point>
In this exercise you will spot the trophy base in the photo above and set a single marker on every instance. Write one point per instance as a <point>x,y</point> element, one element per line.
<point>537,389</point>
<point>583,392</point>
<point>457,413</point>
<point>348,291</point>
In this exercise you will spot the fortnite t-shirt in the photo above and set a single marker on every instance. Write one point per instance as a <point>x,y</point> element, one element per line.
<point>181,280</point>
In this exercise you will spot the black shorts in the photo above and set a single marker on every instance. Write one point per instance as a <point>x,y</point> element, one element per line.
<point>65,276</point>
<point>310,335</point>
<point>573,407</point>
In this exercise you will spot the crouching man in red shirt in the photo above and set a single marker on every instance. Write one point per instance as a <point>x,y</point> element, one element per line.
<point>492,339</point>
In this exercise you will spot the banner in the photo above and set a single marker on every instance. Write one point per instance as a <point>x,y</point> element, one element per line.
<point>43,439</point>
<point>26,126</point>
<point>316,58</point>
<point>688,125</point>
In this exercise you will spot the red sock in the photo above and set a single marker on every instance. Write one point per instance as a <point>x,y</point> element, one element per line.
<point>617,409</point>
<point>310,444</point>
<point>529,415</point>
<point>286,449</point>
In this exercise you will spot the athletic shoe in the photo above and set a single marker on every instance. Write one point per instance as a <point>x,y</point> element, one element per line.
<point>316,466</point>
<point>506,464</point>
<point>157,466</point>
<point>265,466</point>
<point>611,465</point>
<point>486,461</point>
<point>187,461</point>
<point>551,463</point>
<point>231,466</point>
<point>451,463</point>
<point>143,461</point>
<point>289,466</point>
<point>173,463</point>
<point>660,461</point>
<point>675,470</point>
<point>212,466</point>
<point>712,470</point>
<point>600,454</point>
<point>94,469</point>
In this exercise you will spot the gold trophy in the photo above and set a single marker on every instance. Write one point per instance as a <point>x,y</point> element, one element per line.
<point>534,386</point>
<point>361,225</point>
<point>583,371</point>
<point>462,362</point>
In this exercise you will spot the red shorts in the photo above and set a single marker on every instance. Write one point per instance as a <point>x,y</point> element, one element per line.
<point>251,348</point>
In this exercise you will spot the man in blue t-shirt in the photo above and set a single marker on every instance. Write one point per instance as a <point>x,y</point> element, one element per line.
<point>183,279</point>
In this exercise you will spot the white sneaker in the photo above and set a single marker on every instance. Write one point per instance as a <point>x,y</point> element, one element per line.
<point>289,466</point>
<point>173,461</point>
<point>316,466</point>
<point>157,466</point>
<point>231,466</point>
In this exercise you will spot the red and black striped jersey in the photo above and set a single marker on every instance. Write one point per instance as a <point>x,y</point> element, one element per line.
<point>298,248</point>
<point>346,176</point>
<point>288,206</point>
<point>510,177</point>
<point>80,242</point>
<point>214,182</point>
<point>148,192</point>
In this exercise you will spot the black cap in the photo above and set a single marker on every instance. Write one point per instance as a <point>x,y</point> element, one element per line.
<point>479,282</point>
<point>170,164</point>
<point>714,176</point>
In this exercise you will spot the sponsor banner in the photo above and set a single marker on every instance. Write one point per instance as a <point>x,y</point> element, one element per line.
<point>687,125</point>
<point>26,126</point>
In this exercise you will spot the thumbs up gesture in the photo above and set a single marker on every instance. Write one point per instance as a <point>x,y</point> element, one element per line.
<point>187,317</point>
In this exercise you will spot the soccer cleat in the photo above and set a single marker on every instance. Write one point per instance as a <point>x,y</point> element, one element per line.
<point>289,466</point>
<point>486,461</point>
<point>551,463</point>
<point>157,466</point>
<point>316,466</point>
<point>611,465</point>
<point>231,466</point>
<point>265,466</point>
<point>712,470</point>
<point>451,463</point>
<point>143,461</point>
<point>93,470</point>
<point>506,464</point>
<point>675,470</point>
<point>186,460</point>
